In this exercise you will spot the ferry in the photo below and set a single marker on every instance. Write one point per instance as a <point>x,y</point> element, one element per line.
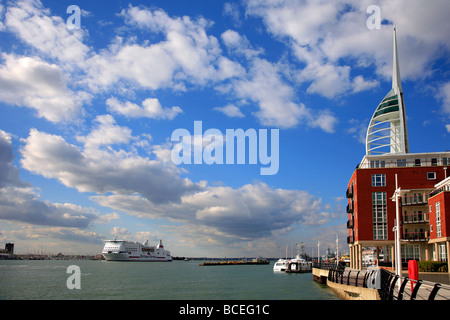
<point>296,265</point>
<point>121,250</point>
<point>281,265</point>
<point>299,265</point>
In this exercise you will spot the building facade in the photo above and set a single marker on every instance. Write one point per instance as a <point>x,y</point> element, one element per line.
<point>387,169</point>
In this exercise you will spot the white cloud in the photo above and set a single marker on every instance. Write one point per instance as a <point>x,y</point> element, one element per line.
<point>32,23</point>
<point>232,10</point>
<point>275,98</point>
<point>151,108</point>
<point>230,110</point>
<point>33,83</point>
<point>20,202</point>
<point>9,174</point>
<point>444,96</point>
<point>103,170</point>
<point>239,44</point>
<point>107,133</point>
<point>250,212</point>
<point>332,39</point>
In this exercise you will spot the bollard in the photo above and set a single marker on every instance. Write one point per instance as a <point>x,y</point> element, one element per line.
<point>413,272</point>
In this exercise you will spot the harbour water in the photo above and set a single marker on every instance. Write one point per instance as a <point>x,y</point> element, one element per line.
<point>176,280</point>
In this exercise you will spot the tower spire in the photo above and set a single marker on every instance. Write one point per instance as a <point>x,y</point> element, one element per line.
<point>387,131</point>
<point>396,82</point>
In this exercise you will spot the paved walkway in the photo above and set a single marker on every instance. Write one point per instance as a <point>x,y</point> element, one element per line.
<point>438,277</point>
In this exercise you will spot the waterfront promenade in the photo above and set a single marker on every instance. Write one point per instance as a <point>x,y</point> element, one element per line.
<point>381,284</point>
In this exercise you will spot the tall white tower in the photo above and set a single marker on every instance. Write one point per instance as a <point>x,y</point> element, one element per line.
<point>387,132</point>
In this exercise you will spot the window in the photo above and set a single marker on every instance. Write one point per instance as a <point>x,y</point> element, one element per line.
<point>377,163</point>
<point>438,219</point>
<point>445,161</point>
<point>379,215</point>
<point>434,161</point>
<point>431,175</point>
<point>410,252</point>
<point>378,180</point>
<point>442,252</point>
<point>401,162</point>
<point>417,162</point>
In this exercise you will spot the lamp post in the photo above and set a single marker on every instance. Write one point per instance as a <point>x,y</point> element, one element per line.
<point>398,257</point>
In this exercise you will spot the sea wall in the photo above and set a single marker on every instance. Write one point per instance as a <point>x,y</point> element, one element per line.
<point>347,292</point>
<point>320,275</point>
<point>343,291</point>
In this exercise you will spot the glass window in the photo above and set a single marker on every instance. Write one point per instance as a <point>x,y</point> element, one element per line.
<point>401,162</point>
<point>378,180</point>
<point>438,219</point>
<point>379,215</point>
<point>442,252</point>
<point>431,175</point>
<point>377,163</point>
<point>434,161</point>
<point>417,162</point>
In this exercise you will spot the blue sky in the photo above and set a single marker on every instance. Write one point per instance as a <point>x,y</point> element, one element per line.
<point>87,116</point>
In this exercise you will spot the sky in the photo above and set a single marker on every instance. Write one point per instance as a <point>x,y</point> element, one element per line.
<point>92,99</point>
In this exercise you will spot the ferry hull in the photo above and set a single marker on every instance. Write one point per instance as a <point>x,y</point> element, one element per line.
<point>127,257</point>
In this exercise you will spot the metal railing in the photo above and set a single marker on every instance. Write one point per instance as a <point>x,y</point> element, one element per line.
<point>394,287</point>
<point>441,189</point>
<point>389,285</point>
<point>350,277</point>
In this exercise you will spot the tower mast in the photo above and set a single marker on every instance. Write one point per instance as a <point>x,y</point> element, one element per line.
<point>387,131</point>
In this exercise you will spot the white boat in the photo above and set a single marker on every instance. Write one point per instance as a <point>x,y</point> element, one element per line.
<point>299,265</point>
<point>121,250</point>
<point>292,265</point>
<point>281,265</point>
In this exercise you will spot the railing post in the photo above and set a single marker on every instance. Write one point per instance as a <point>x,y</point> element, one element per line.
<point>433,293</point>
<point>416,289</point>
<point>348,278</point>
<point>357,275</point>
<point>402,288</point>
<point>391,290</point>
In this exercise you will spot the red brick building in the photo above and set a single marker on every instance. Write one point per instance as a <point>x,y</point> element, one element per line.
<point>424,234</point>
<point>422,184</point>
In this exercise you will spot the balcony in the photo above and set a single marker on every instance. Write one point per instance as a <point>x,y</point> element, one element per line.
<point>414,200</point>
<point>439,190</point>
<point>415,218</point>
<point>350,224</point>
<point>349,192</point>
<point>350,239</point>
<point>416,236</point>
<point>350,208</point>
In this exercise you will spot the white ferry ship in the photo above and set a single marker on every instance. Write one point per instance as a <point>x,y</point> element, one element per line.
<point>121,250</point>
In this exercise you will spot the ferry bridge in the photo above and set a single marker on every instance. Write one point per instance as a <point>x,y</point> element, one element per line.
<point>377,283</point>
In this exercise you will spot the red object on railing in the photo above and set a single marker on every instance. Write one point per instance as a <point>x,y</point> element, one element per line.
<point>413,272</point>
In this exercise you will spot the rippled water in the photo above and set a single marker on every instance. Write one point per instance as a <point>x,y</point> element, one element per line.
<point>177,280</point>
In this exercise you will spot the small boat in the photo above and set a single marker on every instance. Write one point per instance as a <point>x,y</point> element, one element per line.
<point>296,265</point>
<point>299,265</point>
<point>281,265</point>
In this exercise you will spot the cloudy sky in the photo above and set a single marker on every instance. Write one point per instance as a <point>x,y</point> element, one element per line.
<point>87,117</point>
